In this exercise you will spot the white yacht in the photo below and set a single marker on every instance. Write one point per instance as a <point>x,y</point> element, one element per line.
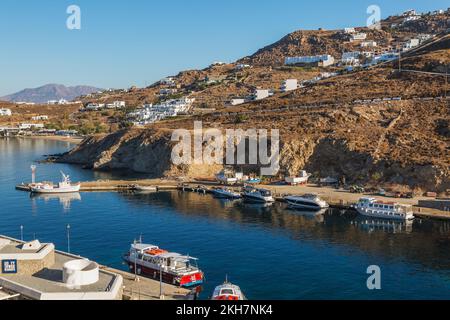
<point>307,201</point>
<point>387,210</point>
<point>64,186</point>
<point>258,195</point>
<point>226,193</point>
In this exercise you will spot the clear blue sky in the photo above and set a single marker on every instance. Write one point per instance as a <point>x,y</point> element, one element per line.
<point>136,42</point>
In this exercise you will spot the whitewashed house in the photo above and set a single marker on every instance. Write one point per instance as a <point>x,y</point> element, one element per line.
<point>260,94</point>
<point>369,43</point>
<point>359,36</point>
<point>5,112</point>
<point>40,118</point>
<point>410,44</point>
<point>351,58</point>
<point>237,101</point>
<point>320,60</point>
<point>349,30</point>
<point>289,85</point>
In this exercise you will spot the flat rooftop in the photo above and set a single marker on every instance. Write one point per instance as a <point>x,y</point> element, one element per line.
<point>50,280</point>
<point>15,247</point>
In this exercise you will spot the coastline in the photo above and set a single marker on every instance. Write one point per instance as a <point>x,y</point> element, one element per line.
<point>74,140</point>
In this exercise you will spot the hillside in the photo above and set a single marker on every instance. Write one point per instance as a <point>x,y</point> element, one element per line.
<point>49,92</point>
<point>375,126</point>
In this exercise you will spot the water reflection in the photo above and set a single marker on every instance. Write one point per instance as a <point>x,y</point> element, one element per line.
<point>415,241</point>
<point>65,199</point>
<point>373,224</point>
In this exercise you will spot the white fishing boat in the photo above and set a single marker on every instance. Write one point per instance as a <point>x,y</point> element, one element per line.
<point>386,210</point>
<point>302,178</point>
<point>228,291</point>
<point>258,195</point>
<point>307,201</point>
<point>65,186</point>
<point>226,193</point>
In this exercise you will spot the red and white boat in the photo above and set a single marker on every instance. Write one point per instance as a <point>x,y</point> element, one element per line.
<point>149,261</point>
<point>228,291</point>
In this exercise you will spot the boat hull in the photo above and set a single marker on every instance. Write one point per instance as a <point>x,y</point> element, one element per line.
<point>257,199</point>
<point>306,207</point>
<point>73,189</point>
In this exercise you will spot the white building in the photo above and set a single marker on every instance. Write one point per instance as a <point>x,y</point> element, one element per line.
<point>242,66</point>
<point>349,30</point>
<point>351,58</point>
<point>369,43</point>
<point>410,12</point>
<point>289,85</point>
<point>169,81</point>
<point>260,94</point>
<point>115,105</point>
<point>5,112</point>
<point>424,37</point>
<point>411,18</point>
<point>237,101</point>
<point>150,113</point>
<point>410,44</point>
<point>29,126</point>
<point>39,118</point>
<point>94,106</point>
<point>359,36</point>
<point>321,60</point>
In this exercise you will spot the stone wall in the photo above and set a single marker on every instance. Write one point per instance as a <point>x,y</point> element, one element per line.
<point>30,267</point>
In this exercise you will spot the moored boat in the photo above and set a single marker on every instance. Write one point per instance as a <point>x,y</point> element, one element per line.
<point>228,291</point>
<point>386,210</point>
<point>173,268</point>
<point>65,186</point>
<point>226,193</point>
<point>258,195</point>
<point>307,201</point>
<point>145,188</point>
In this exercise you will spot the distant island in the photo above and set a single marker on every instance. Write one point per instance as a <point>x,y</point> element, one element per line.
<point>50,92</point>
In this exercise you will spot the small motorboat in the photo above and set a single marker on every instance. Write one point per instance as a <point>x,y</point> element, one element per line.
<point>65,186</point>
<point>258,195</point>
<point>228,291</point>
<point>307,201</point>
<point>226,193</point>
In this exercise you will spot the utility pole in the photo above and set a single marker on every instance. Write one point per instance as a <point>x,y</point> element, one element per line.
<point>161,294</point>
<point>68,238</point>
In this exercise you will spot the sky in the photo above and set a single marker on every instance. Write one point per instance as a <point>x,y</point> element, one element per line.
<point>137,42</point>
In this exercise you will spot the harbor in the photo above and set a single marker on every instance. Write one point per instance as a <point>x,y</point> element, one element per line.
<point>336,198</point>
<point>227,236</point>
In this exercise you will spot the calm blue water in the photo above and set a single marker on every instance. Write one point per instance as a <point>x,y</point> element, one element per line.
<point>272,253</point>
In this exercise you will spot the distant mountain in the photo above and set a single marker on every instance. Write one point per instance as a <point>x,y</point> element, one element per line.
<point>50,92</point>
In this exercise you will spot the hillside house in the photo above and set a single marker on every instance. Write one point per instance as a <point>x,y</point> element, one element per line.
<point>5,112</point>
<point>358,36</point>
<point>351,58</point>
<point>321,60</point>
<point>410,44</point>
<point>368,44</point>
<point>289,85</point>
<point>40,118</point>
<point>260,94</point>
<point>237,101</point>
